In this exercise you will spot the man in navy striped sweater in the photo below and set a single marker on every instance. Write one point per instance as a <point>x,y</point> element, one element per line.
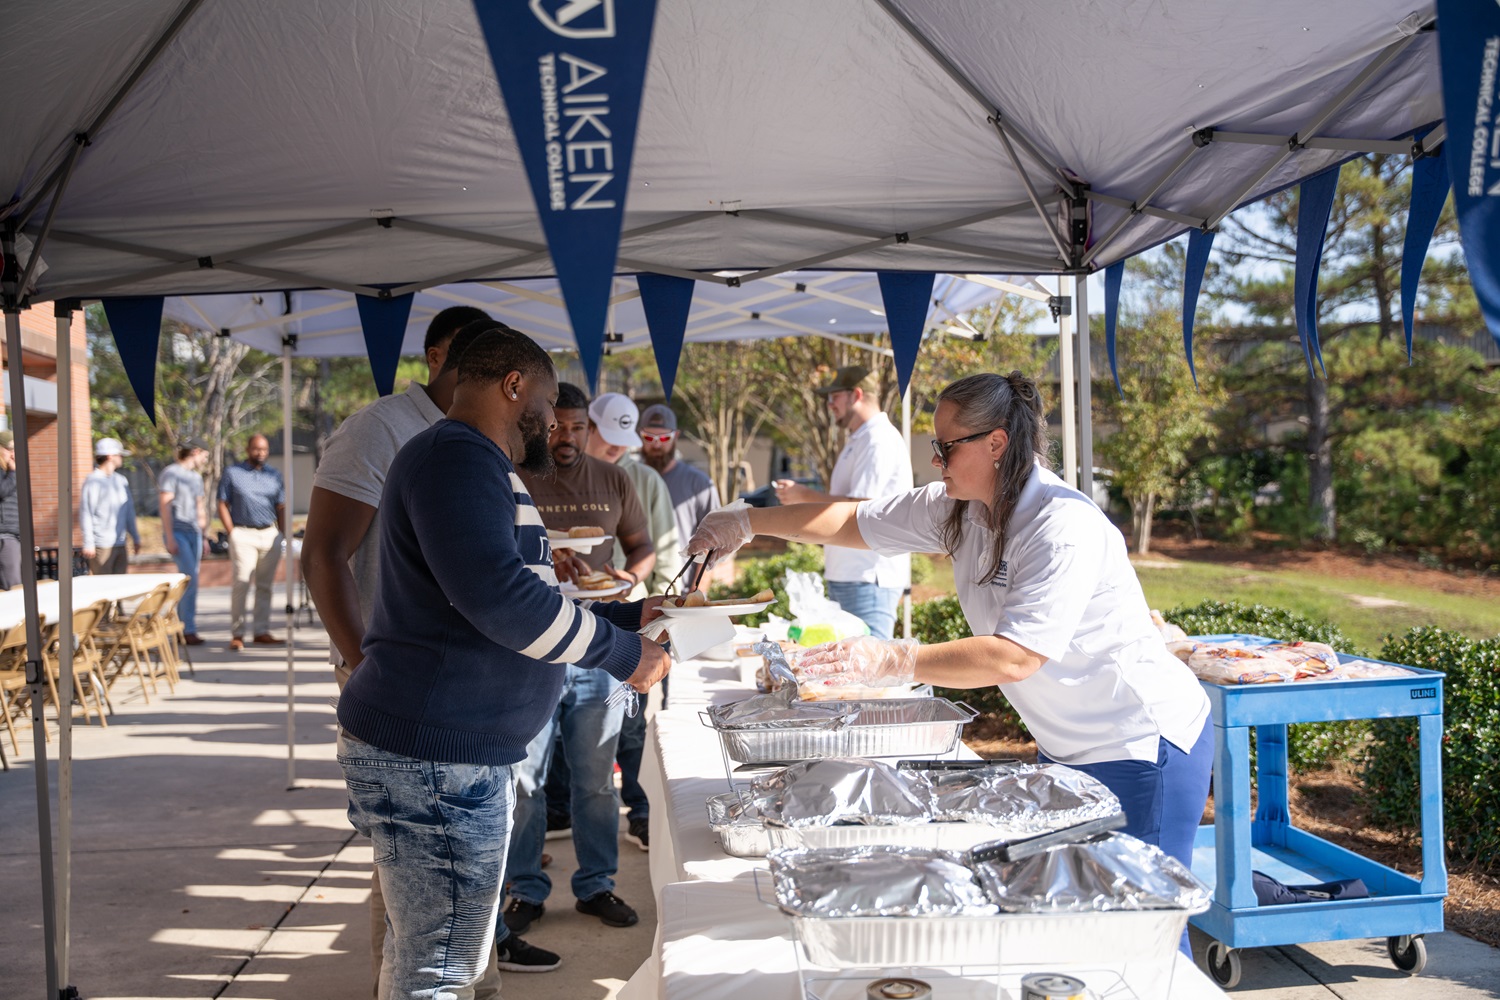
<point>464,663</point>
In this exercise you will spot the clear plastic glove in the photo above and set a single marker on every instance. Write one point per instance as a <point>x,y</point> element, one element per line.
<point>722,533</point>
<point>862,661</point>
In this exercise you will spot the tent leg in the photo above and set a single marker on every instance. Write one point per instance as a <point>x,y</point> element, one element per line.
<point>1065,385</point>
<point>63,311</point>
<point>1085,388</point>
<point>289,563</point>
<point>906,437</point>
<point>34,666</point>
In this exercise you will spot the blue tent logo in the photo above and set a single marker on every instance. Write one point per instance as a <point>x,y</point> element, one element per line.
<point>577,18</point>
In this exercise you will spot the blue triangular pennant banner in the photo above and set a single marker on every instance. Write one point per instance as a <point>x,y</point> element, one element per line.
<point>1467,50</point>
<point>571,73</point>
<point>1429,191</point>
<point>906,296</point>
<point>1314,205</point>
<point>666,300</point>
<point>384,323</point>
<point>1114,275</point>
<point>135,323</point>
<point>1199,244</point>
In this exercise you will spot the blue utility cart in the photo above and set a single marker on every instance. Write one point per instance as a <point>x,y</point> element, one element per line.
<point>1400,908</point>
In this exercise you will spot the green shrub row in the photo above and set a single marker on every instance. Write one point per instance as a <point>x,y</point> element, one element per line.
<point>1471,745</point>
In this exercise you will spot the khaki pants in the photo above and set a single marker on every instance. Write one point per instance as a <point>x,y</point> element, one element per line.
<point>254,553</point>
<point>487,988</point>
<point>112,559</point>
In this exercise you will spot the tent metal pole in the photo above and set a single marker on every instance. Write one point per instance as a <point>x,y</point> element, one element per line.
<point>63,312</point>
<point>290,563</point>
<point>1193,221</point>
<point>1343,97</point>
<point>36,684</point>
<point>1036,202</point>
<point>1392,146</point>
<point>1067,404</point>
<point>1085,387</point>
<point>906,437</point>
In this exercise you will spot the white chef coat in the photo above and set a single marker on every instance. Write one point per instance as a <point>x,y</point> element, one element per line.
<point>875,463</point>
<point>1109,689</point>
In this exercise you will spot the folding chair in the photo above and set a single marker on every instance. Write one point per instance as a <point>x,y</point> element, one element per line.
<point>174,627</point>
<point>127,646</point>
<point>86,661</point>
<point>13,694</point>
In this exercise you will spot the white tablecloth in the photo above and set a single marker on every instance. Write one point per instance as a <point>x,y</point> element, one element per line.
<point>714,937</point>
<point>86,590</point>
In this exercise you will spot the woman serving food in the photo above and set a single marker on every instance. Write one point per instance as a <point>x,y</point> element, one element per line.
<point>1058,616</point>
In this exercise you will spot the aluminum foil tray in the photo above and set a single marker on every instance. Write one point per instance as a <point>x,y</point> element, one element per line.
<point>740,834</point>
<point>938,836</point>
<point>1036,940</point>
<point>910,727</point>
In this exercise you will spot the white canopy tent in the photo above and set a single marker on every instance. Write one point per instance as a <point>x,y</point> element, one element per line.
<point>191,147</point>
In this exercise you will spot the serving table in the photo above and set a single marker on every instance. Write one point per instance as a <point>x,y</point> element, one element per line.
<point>714,936</point>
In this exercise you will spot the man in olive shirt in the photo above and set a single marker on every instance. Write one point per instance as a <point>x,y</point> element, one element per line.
<point>583,492</point>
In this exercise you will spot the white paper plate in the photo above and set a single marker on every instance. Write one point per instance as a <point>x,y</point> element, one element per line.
<point>717,611</point>
<point>578,544</point>
<point>618,588</point>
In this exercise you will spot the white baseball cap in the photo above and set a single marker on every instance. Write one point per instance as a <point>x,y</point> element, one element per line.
<point>109,446</point>
<point>617,418</point>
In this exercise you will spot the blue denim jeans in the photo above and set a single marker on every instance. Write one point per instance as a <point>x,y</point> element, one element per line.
<point>440,833</point>
<point>590,730</point>
<point>1163,800</point>
<point>189,554</point>
<point>876,606</point>
<point>628,753</point>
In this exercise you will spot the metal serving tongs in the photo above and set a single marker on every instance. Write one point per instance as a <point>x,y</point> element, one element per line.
<point>693,569</point>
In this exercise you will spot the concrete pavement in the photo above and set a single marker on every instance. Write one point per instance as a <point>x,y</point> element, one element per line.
<point>197,874</point>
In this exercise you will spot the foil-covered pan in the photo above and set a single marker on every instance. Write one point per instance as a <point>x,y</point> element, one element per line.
<point>876,881</point>
<point>910,727</point>
<point>1017,800</point>
<point>838,790</point>
<point>738,827</point>
<point>1113,872</point>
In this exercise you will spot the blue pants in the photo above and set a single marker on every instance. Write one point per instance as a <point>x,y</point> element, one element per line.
<point>590,730</point>
<point>1163,801</point>
<point>876,606</point>
<point>188,556</point>
<point>440,833</point>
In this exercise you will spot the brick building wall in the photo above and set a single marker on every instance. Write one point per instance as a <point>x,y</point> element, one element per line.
<point>39,360</point>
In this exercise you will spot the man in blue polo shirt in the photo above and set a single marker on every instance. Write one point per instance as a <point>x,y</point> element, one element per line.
<point>252,504</point>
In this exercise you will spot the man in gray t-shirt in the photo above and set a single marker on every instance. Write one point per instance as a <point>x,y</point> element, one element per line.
<point>693,493</point>
<point>184,519</point>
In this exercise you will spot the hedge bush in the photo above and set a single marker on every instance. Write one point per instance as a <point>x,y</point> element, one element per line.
<point>1310,745</point>
<point>942,620</point>
<point>770,574</point>
<point>1471,745</point>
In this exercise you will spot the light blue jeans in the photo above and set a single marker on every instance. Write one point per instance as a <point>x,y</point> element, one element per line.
<point>590,731</point>
<point>188,557</point>
<point>440,834</point>
<point>876,606</point>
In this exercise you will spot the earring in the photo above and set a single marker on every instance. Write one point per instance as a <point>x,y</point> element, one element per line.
<point>513,396</point>
<point>997,463</point>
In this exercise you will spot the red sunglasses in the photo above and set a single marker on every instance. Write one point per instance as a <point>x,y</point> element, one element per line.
<point>659,438</point>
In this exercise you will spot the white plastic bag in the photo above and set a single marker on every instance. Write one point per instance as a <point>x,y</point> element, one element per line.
<point>818,619</point>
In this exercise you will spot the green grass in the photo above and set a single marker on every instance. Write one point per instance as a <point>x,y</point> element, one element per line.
<point>1323,597</point>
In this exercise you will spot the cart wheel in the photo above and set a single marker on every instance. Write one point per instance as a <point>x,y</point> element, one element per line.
<point>1223,964</point>
<point>1408,953</point>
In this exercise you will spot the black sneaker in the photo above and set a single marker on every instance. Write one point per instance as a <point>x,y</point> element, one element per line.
<point>559,826</point>
<point>611,909</point>
<point>515,955</point>
<point>638,832</point>
<point>520,915</point>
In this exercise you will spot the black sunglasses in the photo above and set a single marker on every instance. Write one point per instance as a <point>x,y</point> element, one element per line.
<point>940,448</point>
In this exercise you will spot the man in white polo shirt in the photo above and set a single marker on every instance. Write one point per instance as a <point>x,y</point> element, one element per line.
<point>875,463</point>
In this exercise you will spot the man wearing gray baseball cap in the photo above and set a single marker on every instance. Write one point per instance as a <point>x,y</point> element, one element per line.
<point>693,493</point>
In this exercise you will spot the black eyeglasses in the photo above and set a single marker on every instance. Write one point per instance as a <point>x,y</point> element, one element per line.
<point>940,448</point>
